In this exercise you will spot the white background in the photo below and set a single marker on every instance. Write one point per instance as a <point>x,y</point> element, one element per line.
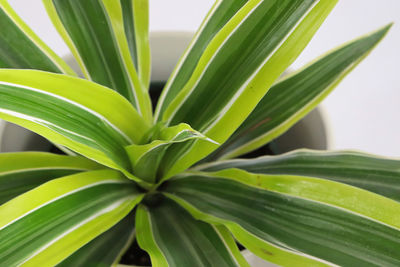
<point>363,112</point>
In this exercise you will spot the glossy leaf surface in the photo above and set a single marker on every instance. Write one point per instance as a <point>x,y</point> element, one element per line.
<point>299,225</point>
<point>21,172</point>
<point>295,96</point>
<point>221,12</point>
<point>72,112</point>
<point>136,25</point>
<point>372,173</point>
<point>237,69</point>
<point>106,249</point>
<point>45,225</point>
<point>95,33</point>
<point>146,158</point>
<point>21,48</point>
<point>173,237</point>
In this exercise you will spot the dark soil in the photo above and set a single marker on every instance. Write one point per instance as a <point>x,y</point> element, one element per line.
<point>136,256</point>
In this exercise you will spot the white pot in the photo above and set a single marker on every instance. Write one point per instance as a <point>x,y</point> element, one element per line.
<point>167,47</point>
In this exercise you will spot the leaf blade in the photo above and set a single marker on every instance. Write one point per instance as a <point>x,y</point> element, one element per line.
<point>71,114</point>
<point>86,205</point>
<point>369,172</point>
<point>21,172</point>
<point>295,96</point>
<point>95,34</point>
<point>21,48</point>
<point>140,10</point>
<point>294,36</point>
<point>207,248</point>
<point>146,159</point>
<point>221,12</point>
<point>296,225</point>
<point>98,251</point>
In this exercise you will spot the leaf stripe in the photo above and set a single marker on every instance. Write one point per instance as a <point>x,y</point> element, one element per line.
<point>43,169</point>
<point>98,251</point>
<point>63,215</point>
<point>13,184</point>
<point>146,238</point>
<point>21,216</point>
<point>282,248</point>
<point>104,177</point>
<point>141,23</point>
<point>257,88</point>
<point>111,148</point>
<point>170,114</point>
<point>332,194</point>
<point>23,171</point>
<point>230,244</point>
<point>52,13</point>
<point>102,118</point>
<point>219,50</point>
<point>238,231</point>
<point>105,210</point>
<point>297,221</point>
<point>42,122</point>
<point>129,27</point>
<point>375,174</point>
<point>107,7</point>
<point>79,237</point>
<point>256,72</point>
<point>196,243</point>
<point>56,61</point>
<point>297,94</point>
<point>217,17</point>
<point>97,33</point>
<point>77,112</point>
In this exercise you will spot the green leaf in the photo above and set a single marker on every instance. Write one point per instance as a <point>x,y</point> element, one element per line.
<point>372,173</point>
<point>94,31</point>
<point>73,112</point>
<point>295,220</point>
<point>146,158</point>
<point>239,66</point>
<point>21,48</point>
<point>173,237</point>
<point>47,224</point>
<point>295,96</point>
<point>21,172</point>
<point>136,25</point>
<point>106,249</point>
<point>221,12</point>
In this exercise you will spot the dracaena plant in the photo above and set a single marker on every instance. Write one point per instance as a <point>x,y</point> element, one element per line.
<point>134,174</point>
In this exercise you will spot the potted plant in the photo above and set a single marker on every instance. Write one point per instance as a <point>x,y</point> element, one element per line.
<point>167,178</point>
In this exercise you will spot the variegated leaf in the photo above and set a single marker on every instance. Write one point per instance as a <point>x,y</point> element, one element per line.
<point>221,12</point>
<point>106,249</point>
<point>95,33</point>
<point>21,172</point>
<point>173,237</point>
<point>72,112</point>
<point>136,25</point>
<point>146,158</point>
<point>294,220</point>
<point>237,68</point>
<point>21,48</point>
<point>295,96</point>
<point>47,224</point>
<point>376,174</point>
